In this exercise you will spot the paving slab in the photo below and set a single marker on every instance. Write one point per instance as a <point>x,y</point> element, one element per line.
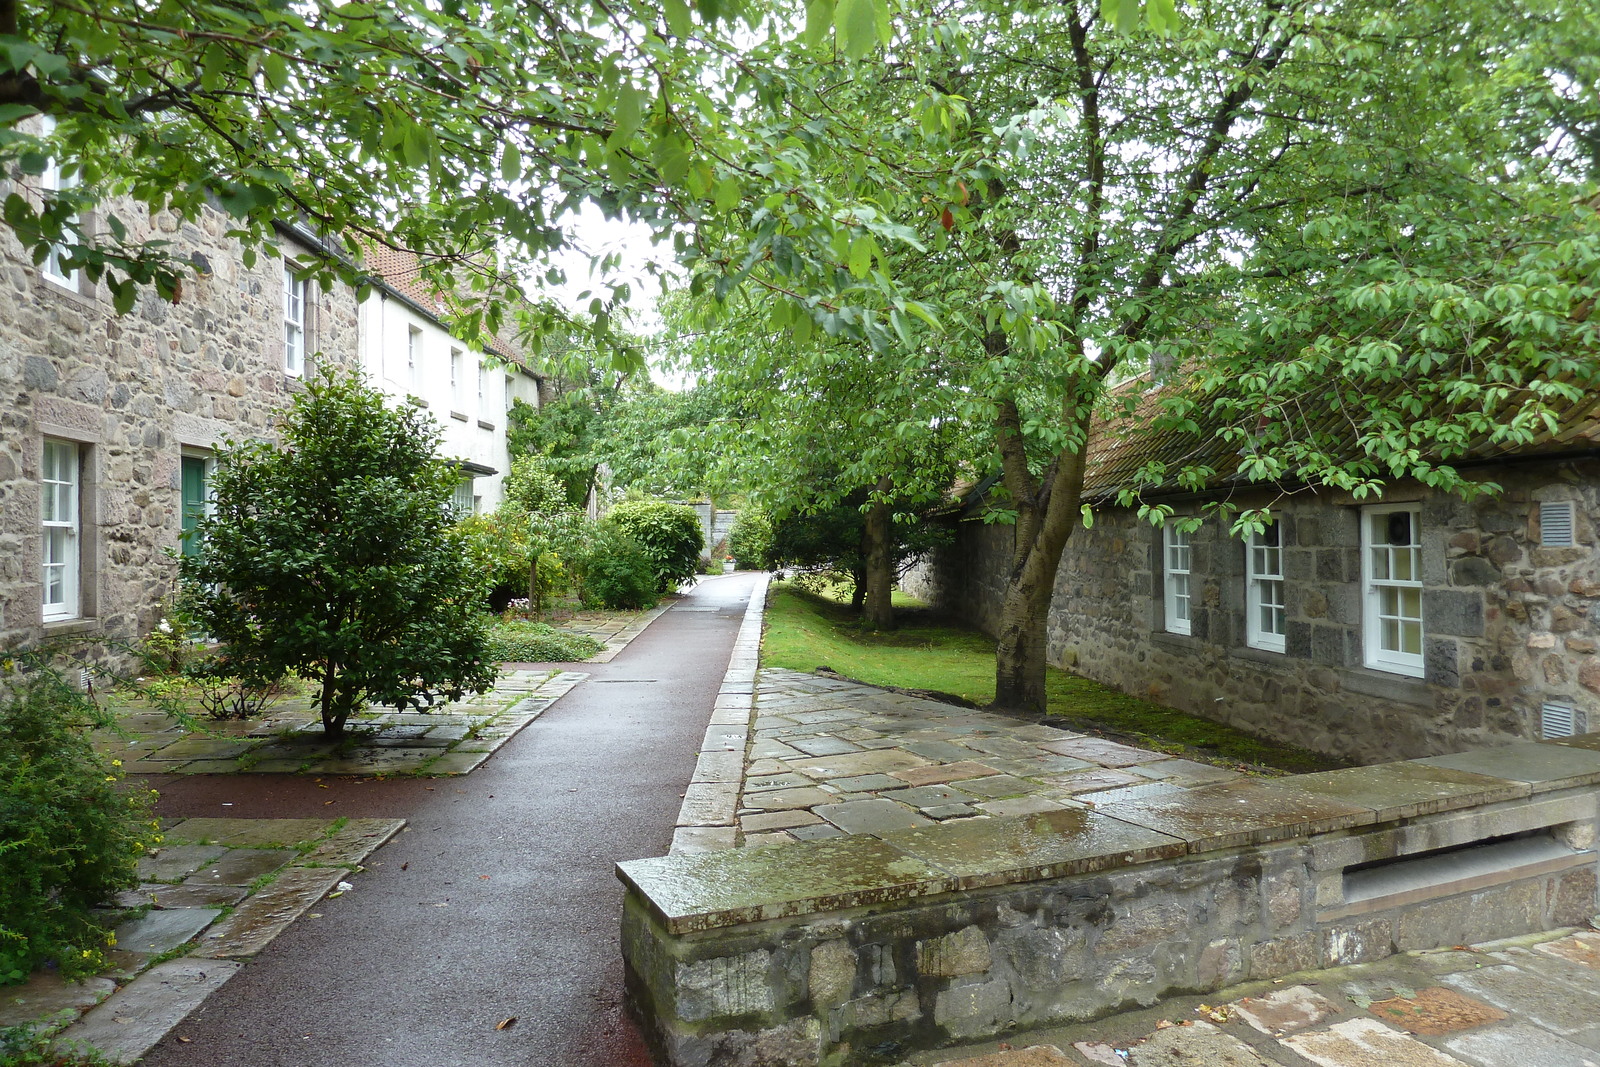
<point>942,773</point>
<point>1554,1006</point>
<point>1237,814</point>
<point>1519,1045</point>
<point>1033,1056</point>
<point>1283,1011</point>
<point>788,799</point>
<point>242,866</point>
<point>1194,1044</point>
<point>851,764</point>
<point>1581,948</point>
<point>182,896</point>
<point>1406,790</point>
<point>173,863</point>
<point>266,914</point>
<point>157,932</point>
<point>245,833</point>
<point>1366,1043</point>
<point>1106,753</point>
<point>997,785</point>
<point>1544,767</point>
<point>48,998</point>
<point>1435,1011</point>
<point>128,1024</point>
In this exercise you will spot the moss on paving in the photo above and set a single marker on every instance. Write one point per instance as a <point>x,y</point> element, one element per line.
<point>806,631</point>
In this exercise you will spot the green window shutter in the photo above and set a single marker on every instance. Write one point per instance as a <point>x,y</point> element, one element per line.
<point>194,502</point>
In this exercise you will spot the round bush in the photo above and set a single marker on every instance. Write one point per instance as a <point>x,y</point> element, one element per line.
<point>616,571</point>
<point>750,539</point>
<point>525,641</point>
<point>670,535</point>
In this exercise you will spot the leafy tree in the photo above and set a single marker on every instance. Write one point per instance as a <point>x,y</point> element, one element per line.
<point>548,526</point>
<point>333,555</point>
<point>669,534</point>
<point>1346,222</point>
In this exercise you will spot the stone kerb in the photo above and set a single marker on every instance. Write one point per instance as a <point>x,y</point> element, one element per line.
<point>915,938</point>
<point>710,803</point>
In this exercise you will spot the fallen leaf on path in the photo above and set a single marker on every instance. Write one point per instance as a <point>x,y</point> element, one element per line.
<point>404,865</point>
<point>186,1040</point>
<point>506,1023</point>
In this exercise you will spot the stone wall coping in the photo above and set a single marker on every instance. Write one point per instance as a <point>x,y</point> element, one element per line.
<point>695,892</point>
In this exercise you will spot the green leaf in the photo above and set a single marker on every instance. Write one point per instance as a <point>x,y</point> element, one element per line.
<point>860,260</point>
<point>671,153</point>
<point>629,115</point>
<point>727,194</point>
<point>679,23</point>
<point>511,163</point>
<point>819,21</point>
<point>856,23</point>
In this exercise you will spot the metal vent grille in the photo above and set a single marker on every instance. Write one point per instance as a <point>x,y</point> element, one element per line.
<point>1557,720</point>
<point>1555,523</point>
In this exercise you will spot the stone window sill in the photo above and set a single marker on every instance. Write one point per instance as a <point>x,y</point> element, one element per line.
<point>1386,686</point>
<point>484,424</point>
<point>458,416</point>
<point>67,627</point>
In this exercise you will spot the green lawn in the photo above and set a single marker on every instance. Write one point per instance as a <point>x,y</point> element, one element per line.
<point>805,631</point>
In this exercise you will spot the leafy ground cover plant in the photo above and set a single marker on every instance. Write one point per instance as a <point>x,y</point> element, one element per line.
<point>527,641</point>
<point>69,837</point>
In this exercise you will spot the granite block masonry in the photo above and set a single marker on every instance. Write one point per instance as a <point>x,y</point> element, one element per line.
<point>830,952</point>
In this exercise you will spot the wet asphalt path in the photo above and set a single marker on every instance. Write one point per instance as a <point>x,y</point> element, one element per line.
<point>499,899</point>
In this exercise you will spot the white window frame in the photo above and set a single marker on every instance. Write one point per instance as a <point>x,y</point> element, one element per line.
<point>1383,594</point>
<point>53,181</point>
<point>457,376</point>
<point>478,367</point>
<point>462,499</point>
<point>413,356</point>
<point>294,323</point>
<point>1177,561</point>
<point>1266,616</point>
<point>61,529</point>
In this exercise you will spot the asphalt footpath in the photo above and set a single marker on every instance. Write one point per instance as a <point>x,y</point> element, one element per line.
<point>486,933</point>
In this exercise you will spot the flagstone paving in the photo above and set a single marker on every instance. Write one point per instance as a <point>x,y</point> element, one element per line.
<point>861,760</point>
<point>612,629</point>
<point>1523,1002</point>
<point>212,893</point>
<point>451,738</point>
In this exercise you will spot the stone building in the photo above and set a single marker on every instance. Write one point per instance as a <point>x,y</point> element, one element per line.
<point>1375,630</point>
<point>107,422</point>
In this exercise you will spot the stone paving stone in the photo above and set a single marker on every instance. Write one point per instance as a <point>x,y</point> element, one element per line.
<point>942,812</point>
<point>811,718</point>
<point>870,816</point>
<point>201,748</point>
<point>948,772</point>
<point>867,783</point>
<point>173,863</point>
<point>823,746</point>
<point>1186,771</point>
<point>457,762</point>
<point>709,804</point>
<point>1530,998</point>
<point>1033,1056</point>
<point>943,751</point>
<point>786,780</point>
<point>689,839</point>
<point>770,748</point>
<point>766,840</point>
<point>771,722</point>
<point>128,1024</point>
<point>247,833</point>
<point>787,799</point>
<point>997,785</point>
<point>418,742</point>
<point>1003,747</point>
<point>1517,1045</point>
<point>241,866</point>
<point>1435,1011</point>
<point>758,822</point>
<point>719,767</point>
<point>1366,1043</point>
<point>1098,750</point>
<point>1542,766</point>
<point>766,765</point>
<point>354,842</point>
<point>1197,1044</point>
<point>1019,805</point>
<point>815,831</point>
<point>1128,792</point>
<point>1237,814</point>
<point>851,764</point>
<point>1283,1011</point>
<point>265,914</point>
<point>1406,790</point>
<point>1581,948</point>
<point>48,998</point>
<point>156,932</point>
<point>182,896</point>
<point>925,796</point>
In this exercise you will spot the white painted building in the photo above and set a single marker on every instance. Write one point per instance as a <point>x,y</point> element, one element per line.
<point>408,353</point>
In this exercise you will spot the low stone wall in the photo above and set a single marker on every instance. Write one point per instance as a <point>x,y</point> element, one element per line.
<point>861,950</point>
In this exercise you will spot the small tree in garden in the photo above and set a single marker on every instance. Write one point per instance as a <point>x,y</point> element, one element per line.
<point>334,556</point>
<point>670,535</point>
<point>537,499</point>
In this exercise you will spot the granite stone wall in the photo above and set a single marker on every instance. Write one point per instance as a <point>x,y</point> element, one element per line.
<point>1508,625</point>
<point>136,392</point>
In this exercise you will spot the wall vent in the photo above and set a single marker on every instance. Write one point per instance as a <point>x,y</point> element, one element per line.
<point>1555,523</point>
<point>1557,720</point>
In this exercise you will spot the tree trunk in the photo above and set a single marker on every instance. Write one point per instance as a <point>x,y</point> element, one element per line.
<point>336,703</point>
<point>877,538</point>
<point>535,601</point>
<point>858,595</point>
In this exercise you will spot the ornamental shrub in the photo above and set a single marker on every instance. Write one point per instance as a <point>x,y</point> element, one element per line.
<point>335,556</point>
<point>69,838</point>
<point>750,539</point>
<point>670,535</point>
<point>526,641</point>
<point>617,572</point>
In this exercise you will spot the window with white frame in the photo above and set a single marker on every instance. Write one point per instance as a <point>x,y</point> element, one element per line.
<point>463,499</point>
<point>54,181</point>
<point>1264,604</point>
<point>413,356</point>
<point>294,323</point>
<point>1391,578</point>
<point>457,377</point>
<point>1177,556</point>
<point>60,487</point>
<point>479,369</point>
